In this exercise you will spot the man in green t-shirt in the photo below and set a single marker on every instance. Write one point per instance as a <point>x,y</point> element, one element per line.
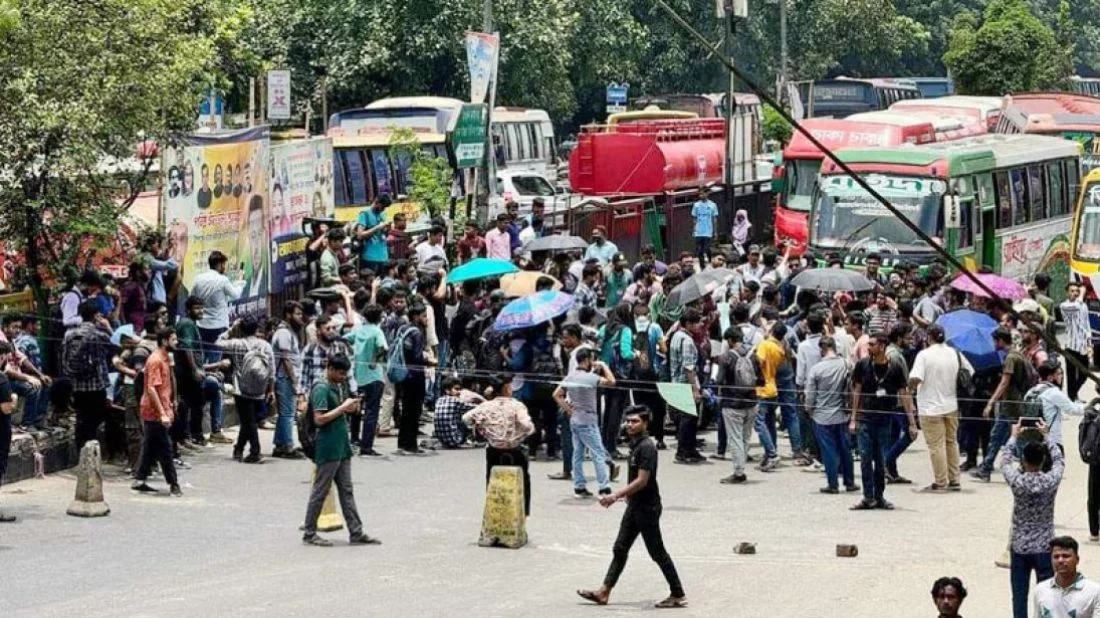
<point>1006,400</point>
<point>329,402</point>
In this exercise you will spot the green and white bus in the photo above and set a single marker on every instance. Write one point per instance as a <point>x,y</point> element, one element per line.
<point>1002,201</point>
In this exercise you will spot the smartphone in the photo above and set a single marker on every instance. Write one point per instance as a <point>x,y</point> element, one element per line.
<point>1030,421</point>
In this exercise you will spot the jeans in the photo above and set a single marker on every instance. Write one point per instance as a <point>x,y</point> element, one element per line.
<point>91,412</point>
<point>211,353</point>
<point>34,401</point>
<point>588,437</point>
<point>899,434</point>
<point>646,522</point>
<point>544,414</point>
<point>157,447</point>
<point>765,428</point>
<point>738,423</point>
<point>702,246</point>
<point>327,473</point>
<point>1002,430</point>
<point>1094,500</point>
<point>249,433</point>
<point>1021,567</point>
<point>188,421</point>
<point>443,354</point>
<point>566,443</point>
<point>836,453</point>
<point>786,404</point>
<point>687,430</point>
<point>285,399</point>
<point>371,395</point>
<point>873,439</point>
<point>509,457</point>
<point>212,392</point>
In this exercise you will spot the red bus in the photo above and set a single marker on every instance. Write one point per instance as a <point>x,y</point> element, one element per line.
<point>802,161</point>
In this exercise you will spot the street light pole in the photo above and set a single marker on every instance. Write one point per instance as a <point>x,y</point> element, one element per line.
<point>782,94</point>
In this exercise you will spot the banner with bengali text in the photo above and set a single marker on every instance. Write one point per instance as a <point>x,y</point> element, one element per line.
<point>301,187</point>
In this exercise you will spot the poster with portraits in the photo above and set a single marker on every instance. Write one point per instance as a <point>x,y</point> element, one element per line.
<point>216,199</point>
<point>301,187</point>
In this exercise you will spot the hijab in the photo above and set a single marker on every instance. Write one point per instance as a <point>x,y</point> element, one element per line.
<point>741,226</point>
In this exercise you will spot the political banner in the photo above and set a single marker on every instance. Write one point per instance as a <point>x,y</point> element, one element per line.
<point>301,186</point>
<point>481,55</point>
<point>222,205</point>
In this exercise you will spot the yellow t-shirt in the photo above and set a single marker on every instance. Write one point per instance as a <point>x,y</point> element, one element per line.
<point>771,356</point>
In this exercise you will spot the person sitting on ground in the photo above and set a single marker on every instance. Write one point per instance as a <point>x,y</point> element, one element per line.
<point>449,408</point>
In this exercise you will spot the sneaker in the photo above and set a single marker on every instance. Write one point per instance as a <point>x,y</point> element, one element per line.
<point>175,491</point>
<point>1093,538</point>
<point>606,491</point>
<point>661,445</point>
<point>254,458</point>
<point>733,479</point>
<point>187,445</point>
<point>143,487</point>
<point>829,490</point>
<point>719,456</point>
<point>933,489</point>
<point>363,539</point>
<point>884,505</point>
<point>814,467</point>
<point>237,455</point>
<point>313,539</point>
<point>560,476</point>
<point>220,438</point>
<point>618,455</point>
<point>687,460</point>
<point>769,464</point>
<point>7,519</point>
<point>181,464</point>
<point>863,505</point>
<point>582,493</point>
<point>851,488</point>
<point>288,454</point>
<point>615,469</point>
<point>954,487</point>
<point>265,425</point>
<point>980,474</point>
<point>968,465</point>
<point>750,459</point>
<point>370,453</point>
<point>897,479</point>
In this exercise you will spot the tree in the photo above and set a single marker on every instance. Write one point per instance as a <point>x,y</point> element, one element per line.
<point>430,177</point>
<point>1009,50</point>
<point>81,85</point>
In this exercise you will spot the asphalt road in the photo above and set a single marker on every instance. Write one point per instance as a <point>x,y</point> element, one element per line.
<point>231,546</point>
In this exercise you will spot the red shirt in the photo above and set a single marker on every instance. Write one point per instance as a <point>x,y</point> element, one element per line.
<point>469,248</point>
<point>158,376</point>
<point>398,242</point>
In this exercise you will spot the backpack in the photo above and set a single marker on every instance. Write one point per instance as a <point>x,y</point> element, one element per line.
<point>1031,374</point>
<point>1032,405</point>
<point>489,356</point>
<point>757,368</point>
<point>77,360</point>
<point>1088,437</point>
<point>307,432</point>
<point>742,374</point>
<point>964,379</point>
<point>255,373</point>
<point>397,371</point>
<point>622,368</point>
<point>544,376</point>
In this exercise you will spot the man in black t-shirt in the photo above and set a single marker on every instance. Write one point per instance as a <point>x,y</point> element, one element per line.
<point>879,389</point>
<point>642,516</point>
<point>7,408</point>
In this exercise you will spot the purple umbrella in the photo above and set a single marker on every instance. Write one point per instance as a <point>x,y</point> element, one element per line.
<point>1001,286</point>
<point>533,310</point>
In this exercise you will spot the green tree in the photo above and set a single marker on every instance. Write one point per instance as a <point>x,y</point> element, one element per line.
<point>1009,50</point>
<point>81,84</point>
<point>430,177</point>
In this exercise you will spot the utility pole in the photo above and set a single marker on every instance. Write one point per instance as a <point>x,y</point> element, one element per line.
<point>783,76</point>
<point>489,174</point>
<point>731,103</point>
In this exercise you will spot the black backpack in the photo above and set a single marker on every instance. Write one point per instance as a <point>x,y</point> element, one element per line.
<point>1088,437</point>
<point>544,376</point>
<point>307,432</point>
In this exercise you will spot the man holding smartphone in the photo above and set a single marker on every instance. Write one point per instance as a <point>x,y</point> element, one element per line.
<point>329,402</point>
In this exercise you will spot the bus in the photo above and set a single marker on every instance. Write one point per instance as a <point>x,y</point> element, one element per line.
<point>842,97</point>
<point>1014,197</point>
<point>1085,85</point>
<point>946,128</point>
<point>802,160</point>
<point>932,87</point>
<point>1071,116</point>
<point>523,141</point>
<point>1085,251</point>
<point>982,111</point>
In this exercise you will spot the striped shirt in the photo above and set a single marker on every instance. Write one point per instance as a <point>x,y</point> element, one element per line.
<point>1078,335</point>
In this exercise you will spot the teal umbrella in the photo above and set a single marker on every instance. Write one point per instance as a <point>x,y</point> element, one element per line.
<point>481,268</point>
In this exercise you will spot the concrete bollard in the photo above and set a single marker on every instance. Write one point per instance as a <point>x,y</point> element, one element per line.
<point>330,519</point>
<point>89,484</point>
<point>847,551</point>
<point>745,549</point>
<point>504,521</point>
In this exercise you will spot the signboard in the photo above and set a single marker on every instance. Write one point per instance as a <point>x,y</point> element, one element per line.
<point>225,209</point>
<point>469,135</point>
<point>616,93</point>
<point>278,95</point>
<point>616,109</point>
<point>481,55</point>
<point>301,186</point>
<point>952,212</point>
<point>213,121</point>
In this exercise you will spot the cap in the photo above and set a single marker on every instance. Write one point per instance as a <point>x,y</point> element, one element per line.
<point>754,248</point>
<point>1027,305</point>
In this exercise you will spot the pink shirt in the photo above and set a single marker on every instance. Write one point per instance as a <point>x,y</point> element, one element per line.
<point>498,244</point>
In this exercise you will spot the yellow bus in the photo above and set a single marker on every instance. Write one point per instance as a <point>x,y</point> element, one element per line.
<point>1084,259</point>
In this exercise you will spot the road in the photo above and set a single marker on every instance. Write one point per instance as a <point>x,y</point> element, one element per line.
<point>231,545</point>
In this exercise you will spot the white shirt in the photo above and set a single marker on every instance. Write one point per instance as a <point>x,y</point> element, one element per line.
<point>1080,600</point>
<point>426,252</point>
<point>216,292</point>
<point>937,368</point>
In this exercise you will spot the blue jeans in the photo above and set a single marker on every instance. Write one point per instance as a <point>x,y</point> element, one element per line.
<point>566,442</point>
<point>211,353</point>
<point>588,437</point>
<point>836,453</point>
<point>787,402</point>
<point>899,433</point>
<point>444,357</point>
<point>212,392</point>
<point>33,401</point>
<point>765,428</point>
<point>371,394</point>
<point>284,402</point>
<point>874,437</point>
<point>1002,430</point>
<point>1020,577</point>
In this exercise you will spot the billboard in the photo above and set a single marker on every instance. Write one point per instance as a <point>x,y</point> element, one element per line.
<point>301,186</point>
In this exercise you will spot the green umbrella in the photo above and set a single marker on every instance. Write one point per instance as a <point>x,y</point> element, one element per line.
<point>481,268</point>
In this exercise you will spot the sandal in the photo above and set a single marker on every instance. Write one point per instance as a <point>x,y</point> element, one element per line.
<point>672,602</point>
<point>592,595</point>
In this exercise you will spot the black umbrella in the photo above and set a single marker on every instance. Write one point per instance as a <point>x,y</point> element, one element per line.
<point>555,242</point>
<point>699,285</point>
<point>832,280</point>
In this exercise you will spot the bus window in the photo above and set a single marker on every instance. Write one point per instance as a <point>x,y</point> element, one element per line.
<point>548,145</point>
<point>1073,177</point>
<point>401,163</point>
<point>524,141</point>
<point>533,132</point>
<point>1004,201</point>
<point>383,176</point>
<point>339,180</point>
<point>357,176</point>
<point>966,230</point>
<point>1019,195</point>
<point>1056,190</point>
<point>513,143</point>
<point>1036,192</point>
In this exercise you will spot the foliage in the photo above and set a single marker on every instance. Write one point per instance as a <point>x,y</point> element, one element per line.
<point>429,177</point>
<point>776,127</point>
<point>81,84</point>
<point>1009,50</point>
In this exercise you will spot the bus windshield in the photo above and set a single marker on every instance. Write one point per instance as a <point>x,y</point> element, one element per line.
<point>1088,227</point>
<point>801,176</point>
<point>846,214</point>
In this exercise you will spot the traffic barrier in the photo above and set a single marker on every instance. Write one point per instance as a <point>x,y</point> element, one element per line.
<point>88,501</point>
<point>504,522</point>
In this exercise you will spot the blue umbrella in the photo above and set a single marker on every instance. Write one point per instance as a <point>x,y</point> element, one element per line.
<point>971,333</point>
<point>126,330</point>
<point>481,268</point>
<point>533,310</point>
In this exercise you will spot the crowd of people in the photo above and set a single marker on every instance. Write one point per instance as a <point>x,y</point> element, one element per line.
<point>382,344</point>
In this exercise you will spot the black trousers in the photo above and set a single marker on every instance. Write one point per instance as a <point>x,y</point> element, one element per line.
<point>544,414</point>
<point>509,457</point>
<point>615,401</point>
<point>249,432</point>
<point>1075,378</point>
<point>656,405</point>
<point>412,405</point>
<point>5,443</point>
<point>190,411</point>
<point>91,412</point>
<point>157,447</point>
<point>1094,500</point>
<point>646,522</point>
<point>687,430</point>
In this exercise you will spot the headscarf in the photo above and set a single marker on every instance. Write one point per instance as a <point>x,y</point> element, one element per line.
<point>741,226</point>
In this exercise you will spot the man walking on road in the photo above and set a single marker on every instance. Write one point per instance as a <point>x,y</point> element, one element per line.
<point>935,378</point>
<point>158,408</point>
<point>288,370</point>
<point>253,382</point>
<point>642,516</point>
<point>329,403</point>
<point>86,351</point>
<point>825,387</point>
<point>576,396</point>
<point>878,382</point>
